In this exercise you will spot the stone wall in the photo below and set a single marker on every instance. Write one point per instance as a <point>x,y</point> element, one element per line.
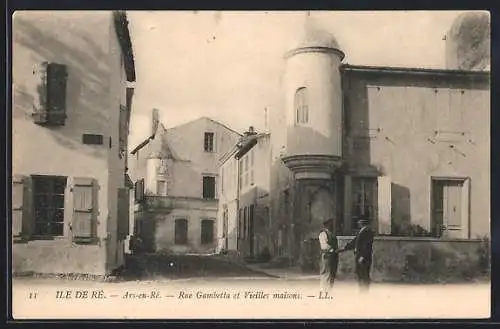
<point>413,259</point>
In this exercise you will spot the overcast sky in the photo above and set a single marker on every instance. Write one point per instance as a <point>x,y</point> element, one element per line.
<point>228,65</point>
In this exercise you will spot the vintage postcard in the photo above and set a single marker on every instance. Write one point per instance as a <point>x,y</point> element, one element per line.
<point>250,165</point>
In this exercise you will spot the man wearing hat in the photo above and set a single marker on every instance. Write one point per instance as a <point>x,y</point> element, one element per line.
<point>329,258</point>
<point>362,246</point>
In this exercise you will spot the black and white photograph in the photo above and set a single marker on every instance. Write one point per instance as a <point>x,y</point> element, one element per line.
<point>250,165</point>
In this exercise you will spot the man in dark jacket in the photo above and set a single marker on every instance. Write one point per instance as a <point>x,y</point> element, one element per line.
<point>362,246</point>
<point>329,258</point>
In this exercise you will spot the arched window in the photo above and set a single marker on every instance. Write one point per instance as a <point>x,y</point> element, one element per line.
<point>301,106</point>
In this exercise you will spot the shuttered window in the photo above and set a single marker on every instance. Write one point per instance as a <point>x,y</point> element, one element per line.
<point>17,205</point>
<point>207,231</point>
<point>48,196</point>
<point>84,221</point>
<point>123,213</point>
<point>181,231</point>
<point>50,105</point>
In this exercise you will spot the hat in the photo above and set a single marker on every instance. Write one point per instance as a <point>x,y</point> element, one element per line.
<point>328,221</point>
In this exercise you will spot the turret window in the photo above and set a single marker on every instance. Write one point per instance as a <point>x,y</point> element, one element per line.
<point>301,106</point>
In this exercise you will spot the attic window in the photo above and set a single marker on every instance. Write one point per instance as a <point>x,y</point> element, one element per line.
<point>209,142</point>
<point>50,107</point>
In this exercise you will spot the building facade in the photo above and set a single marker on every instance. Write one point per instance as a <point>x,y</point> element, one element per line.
<point>244,202</point>
<point>176,173</point>
<point>407,148</point>
<point>72,98</point>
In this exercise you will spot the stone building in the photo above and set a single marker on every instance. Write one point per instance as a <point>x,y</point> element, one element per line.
<point>73,77</point>
<point>244,195</point>
<point>176,177</point>
<point>406,147</point>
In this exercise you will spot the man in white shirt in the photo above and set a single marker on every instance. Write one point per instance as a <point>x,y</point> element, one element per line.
<point>329,257</point>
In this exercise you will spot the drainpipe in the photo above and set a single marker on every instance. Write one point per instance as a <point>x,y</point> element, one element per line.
<point>238,247</point>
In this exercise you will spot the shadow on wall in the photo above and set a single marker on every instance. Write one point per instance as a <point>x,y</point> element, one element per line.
<point>401,209</point>
<point>88,85</point>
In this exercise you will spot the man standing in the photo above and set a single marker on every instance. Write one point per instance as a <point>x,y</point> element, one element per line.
<point>329,258</point>
<point>362,246</point>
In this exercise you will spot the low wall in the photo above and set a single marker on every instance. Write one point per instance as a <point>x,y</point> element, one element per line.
<point>412,259</point>
<point>58,257</point>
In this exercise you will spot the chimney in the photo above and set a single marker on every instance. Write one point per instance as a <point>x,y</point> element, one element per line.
<point>155,120</point>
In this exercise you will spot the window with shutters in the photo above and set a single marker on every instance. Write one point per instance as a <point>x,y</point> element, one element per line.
<point>364,199</point>
<point>207,231</point>
<point>48,196</point>
<point>301,106</point>
<point>50,105</point>
<point>181,231</point>
<point>208,187</point>
<point>209,142</point>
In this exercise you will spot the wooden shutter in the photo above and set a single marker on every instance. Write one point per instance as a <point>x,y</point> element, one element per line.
<point>139,190</point>
<point>17,205</point>
<point>56,93</point>
<point>40,104</point>
<point>84,223</point>
<point>123,132</point>
<point>123,213</point>
<point>384,205</point>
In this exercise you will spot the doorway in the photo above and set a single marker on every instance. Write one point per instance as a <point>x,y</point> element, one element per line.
<point>449,205</point>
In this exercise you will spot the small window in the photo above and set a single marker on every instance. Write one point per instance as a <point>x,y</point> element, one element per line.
<point>301,106</point>
<point>207,231</point>
<point>181,231</point>
<point>49,205</point>
<point>208,187</point>
<point>91,139</point>
<point>209,142</point>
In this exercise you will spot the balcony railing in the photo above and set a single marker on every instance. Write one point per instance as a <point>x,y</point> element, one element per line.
<point>153,202</point>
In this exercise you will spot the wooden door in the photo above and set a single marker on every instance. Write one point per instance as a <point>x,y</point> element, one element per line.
<point>452,209</point>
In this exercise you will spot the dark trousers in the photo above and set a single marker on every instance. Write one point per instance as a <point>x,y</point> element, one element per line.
<point>363,272</point>
<point>328,269</point>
